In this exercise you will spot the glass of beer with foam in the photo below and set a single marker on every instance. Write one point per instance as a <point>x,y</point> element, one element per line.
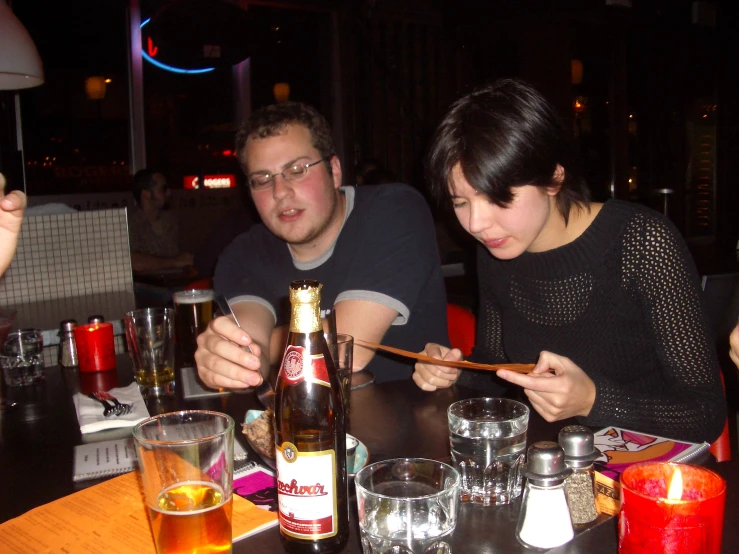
<point>193,312</point>
<point>186,464</point>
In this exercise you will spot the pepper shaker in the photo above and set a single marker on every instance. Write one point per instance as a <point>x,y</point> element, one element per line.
<point>67,353</point>
<point>580,452</point>
<point>544,521</point>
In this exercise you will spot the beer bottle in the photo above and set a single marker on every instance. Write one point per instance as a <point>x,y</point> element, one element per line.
<point>310,436</point>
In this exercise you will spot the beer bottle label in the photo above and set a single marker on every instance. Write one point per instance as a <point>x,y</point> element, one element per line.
<point>298,365</point>
<point>306,492</point>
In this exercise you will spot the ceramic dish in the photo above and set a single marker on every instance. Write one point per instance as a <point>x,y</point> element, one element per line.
<point>361,455</point>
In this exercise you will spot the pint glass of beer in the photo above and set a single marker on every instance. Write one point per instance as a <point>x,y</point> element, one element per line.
<point>194,310</point>
<point>186,464</point>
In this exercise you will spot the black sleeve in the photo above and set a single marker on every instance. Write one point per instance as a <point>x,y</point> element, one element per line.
<point>659,274</point>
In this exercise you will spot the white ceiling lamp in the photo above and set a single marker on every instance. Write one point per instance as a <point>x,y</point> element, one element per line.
<point>20,64</point>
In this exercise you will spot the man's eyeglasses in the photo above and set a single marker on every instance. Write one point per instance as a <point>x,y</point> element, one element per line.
<point>296,172</point>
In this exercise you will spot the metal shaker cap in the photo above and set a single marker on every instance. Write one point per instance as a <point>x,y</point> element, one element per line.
<point>67,326</point>
<point>96,319</point>
<point>545,464</point>
<point>577,443</point>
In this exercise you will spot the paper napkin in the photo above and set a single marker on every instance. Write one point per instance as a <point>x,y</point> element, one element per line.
<point>90,412</point>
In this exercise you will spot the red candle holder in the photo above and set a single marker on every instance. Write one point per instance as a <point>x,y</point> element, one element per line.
<point>650,522</point>
<point>95,346</point>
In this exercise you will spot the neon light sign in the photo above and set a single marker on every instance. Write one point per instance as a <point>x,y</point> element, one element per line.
<point>152,51</point>
<point>225,181</point>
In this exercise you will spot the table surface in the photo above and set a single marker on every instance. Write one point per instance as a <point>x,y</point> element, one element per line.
<point>391,419</point>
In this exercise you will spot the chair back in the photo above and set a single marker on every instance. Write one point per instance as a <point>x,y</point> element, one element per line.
<point>721,448</point>
<point>461,326</point>
<point>205,283</point>
<point>721,300</point>
<point>70,266</point>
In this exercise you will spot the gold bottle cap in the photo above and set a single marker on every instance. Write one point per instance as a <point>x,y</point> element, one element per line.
<point>305,292</point>
<point>305,299</point>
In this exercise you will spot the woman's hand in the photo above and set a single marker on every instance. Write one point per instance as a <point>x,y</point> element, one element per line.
<point>221,359</point>
<point>734,343</point>
<point>569,392</point>
<point>430,377</point>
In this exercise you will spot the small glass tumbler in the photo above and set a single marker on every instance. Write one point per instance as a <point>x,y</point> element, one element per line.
<point>186,463</point>
<point>407,506</point>
<point>22,358</point>
<point>342,354</point>
<point>150,338</point>
<point>488,444</point>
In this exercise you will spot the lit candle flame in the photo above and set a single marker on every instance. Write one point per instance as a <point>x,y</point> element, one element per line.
<point>675,489</point>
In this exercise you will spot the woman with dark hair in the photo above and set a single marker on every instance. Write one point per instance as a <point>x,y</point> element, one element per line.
<point>604,298</point>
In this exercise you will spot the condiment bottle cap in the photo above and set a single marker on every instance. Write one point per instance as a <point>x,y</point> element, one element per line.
<point>68,325</point>
<point>577,443</point>
<point>545,464</point>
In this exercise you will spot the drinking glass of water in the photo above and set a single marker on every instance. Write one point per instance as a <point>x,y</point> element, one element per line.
<point>488,446</point>
<point>407,506</point>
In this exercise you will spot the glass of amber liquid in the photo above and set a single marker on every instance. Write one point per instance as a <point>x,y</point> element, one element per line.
<point>186,464</point>
<point>150,338</point>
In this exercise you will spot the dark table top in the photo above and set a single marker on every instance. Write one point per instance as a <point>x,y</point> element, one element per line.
<point>392,419</point>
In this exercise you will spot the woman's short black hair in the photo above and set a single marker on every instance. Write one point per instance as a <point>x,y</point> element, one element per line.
<point>505,135</point>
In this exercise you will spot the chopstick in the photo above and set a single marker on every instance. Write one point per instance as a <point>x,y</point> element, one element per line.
<point>518,368</point>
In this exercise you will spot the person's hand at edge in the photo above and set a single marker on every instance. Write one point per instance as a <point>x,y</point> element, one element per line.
<point>734,346</point>
<point>11,218</point>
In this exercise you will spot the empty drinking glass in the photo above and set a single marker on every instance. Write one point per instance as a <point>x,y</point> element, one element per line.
<point>407,506</point>
<point>342,354</point>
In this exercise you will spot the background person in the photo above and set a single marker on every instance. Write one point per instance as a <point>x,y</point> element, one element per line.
<point>153,229</point>
<point>734,346</point>
<point>11,218</point>
<point>372,248</point>
<point>605,296</point>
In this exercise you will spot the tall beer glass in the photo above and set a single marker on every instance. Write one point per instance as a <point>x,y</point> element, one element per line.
<point>194,310</point>
<point>150,338</point>
<point>186,463</point>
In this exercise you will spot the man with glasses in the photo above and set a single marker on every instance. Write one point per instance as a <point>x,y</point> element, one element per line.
<point>152,229</point>
<point>373,249</point>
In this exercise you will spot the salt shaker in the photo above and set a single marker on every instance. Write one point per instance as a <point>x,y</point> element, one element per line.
<point>96,319</point>
<point>577,443</point>
<point>67,356</point>
<point>544,521</point>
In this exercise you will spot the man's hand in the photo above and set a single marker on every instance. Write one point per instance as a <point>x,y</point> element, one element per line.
<point>430,377</point>
<point>221,359</point>
<point>11,217</point>
<point>569,392</point>
<point>734,342</point>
